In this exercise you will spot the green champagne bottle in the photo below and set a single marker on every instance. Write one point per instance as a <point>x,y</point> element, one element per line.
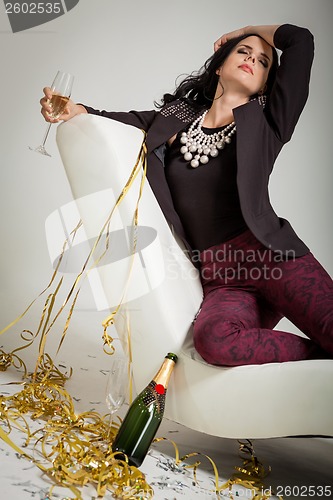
<point>144,416</point>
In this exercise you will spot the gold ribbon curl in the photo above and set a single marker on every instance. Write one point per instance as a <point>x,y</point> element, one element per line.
<point>251,474</point>
<point>8,359</point>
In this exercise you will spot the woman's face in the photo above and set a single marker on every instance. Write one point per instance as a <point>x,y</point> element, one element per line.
<point>247,67</point>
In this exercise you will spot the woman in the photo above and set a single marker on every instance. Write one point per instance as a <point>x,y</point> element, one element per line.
<point>217,138</point>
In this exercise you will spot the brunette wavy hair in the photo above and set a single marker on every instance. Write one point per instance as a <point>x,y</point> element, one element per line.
<point>199,87</point>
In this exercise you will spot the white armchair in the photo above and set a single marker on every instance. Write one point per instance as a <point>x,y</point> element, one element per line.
<point>163,296</point>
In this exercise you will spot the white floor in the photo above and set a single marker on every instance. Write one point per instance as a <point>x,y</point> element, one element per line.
<point>301,467</point>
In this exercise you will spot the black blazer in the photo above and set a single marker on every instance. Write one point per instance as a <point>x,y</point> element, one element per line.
<point>261,133</point>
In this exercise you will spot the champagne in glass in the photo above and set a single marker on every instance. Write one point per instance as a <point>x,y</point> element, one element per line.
<point>61,89</point>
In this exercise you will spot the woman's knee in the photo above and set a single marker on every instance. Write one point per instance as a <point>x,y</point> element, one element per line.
<point>213,339</point>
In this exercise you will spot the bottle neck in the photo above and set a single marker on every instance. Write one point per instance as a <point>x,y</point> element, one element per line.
<point>162,377</point>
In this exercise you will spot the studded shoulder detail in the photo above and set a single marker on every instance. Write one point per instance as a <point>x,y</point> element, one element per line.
<point>181,110</point>
<point>186,113</point>
<point>262,100</point>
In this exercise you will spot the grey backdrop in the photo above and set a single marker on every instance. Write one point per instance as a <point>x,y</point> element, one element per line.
<point>124,54</point>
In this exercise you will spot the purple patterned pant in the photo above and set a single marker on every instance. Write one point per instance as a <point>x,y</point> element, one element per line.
<point>247,290</point>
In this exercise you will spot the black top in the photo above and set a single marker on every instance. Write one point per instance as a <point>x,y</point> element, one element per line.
<point>206,198</point>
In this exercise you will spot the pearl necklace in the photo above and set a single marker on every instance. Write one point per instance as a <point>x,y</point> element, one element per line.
<point>196,141</point>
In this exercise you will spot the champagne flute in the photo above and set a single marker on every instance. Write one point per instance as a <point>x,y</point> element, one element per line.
<point>117,384</point>
<point>62,89</point>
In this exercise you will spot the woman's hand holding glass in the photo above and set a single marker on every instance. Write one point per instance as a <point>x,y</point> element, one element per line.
<point>57,105</point>
<point>61,89</point>
<point>69,111</point>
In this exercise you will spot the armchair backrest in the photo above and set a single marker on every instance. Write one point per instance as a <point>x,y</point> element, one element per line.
<point>163,293</point>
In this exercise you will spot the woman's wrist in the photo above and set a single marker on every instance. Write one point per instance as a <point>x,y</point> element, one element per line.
<point>79,109</point>
<point>266,32</point>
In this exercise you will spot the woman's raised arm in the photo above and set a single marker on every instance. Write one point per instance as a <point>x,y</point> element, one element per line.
<point>265,31</point>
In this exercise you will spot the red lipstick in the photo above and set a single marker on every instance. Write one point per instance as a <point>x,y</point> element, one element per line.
<point>246,68</point>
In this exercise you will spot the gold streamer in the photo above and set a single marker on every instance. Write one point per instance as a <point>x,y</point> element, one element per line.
<point>77,446</point>
<point>141,160</point>
<point>250,475</point>
<point>77,449</point>
<point>46,324</point>
<point>18,318</point>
